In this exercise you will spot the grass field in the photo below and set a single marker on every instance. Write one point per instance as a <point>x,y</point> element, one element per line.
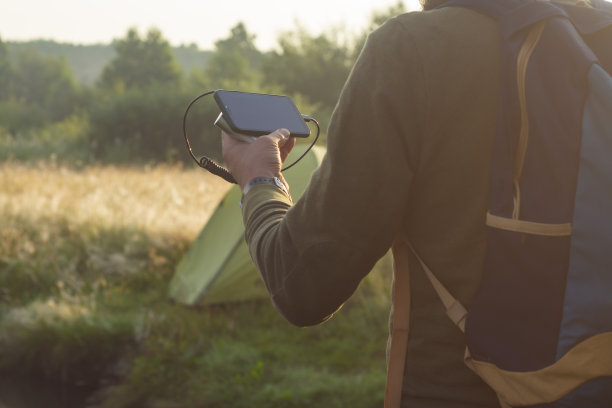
<point>85,258</point>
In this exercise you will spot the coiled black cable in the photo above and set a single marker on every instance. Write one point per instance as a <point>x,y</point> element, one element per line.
<point>208,164</point>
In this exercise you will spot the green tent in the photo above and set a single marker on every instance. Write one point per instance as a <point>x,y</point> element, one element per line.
<point>217,268</point>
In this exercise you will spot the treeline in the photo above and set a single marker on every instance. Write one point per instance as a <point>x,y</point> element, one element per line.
<point>88,61</point>
<point>133,110</point>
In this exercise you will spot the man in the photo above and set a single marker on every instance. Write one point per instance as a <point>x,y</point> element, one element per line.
<point>408,155</point>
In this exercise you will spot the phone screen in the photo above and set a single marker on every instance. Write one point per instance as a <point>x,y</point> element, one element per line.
<point>259,114</point>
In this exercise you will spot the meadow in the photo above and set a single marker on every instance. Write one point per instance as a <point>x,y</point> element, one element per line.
<point>86,254</point>
<point>90,235</point>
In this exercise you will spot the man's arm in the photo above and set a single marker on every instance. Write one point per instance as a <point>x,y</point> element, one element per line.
<point>313,255</point>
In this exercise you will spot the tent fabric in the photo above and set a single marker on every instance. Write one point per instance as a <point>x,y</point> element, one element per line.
<point>217,268</point>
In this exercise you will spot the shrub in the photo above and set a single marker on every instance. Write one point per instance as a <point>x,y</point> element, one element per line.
<point>63,141</point>
<point>145,124</point>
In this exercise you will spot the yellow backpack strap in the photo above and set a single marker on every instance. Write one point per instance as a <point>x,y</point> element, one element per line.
<point>401,319</point>
<point>454,309</point>
<point>400,325</point>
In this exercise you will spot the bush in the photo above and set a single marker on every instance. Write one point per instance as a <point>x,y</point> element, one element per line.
<point>63,141</point>
<point>16,116</point>
<point>42,90</point>
<point>145,124</point>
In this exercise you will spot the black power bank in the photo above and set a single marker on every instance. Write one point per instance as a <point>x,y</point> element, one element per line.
<point>254,114</point>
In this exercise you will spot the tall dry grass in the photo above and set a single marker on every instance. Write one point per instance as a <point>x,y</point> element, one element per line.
<point>66,233</point>
<point>161,199</point>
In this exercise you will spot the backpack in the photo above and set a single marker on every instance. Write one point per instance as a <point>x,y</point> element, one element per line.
<point>539,331</point>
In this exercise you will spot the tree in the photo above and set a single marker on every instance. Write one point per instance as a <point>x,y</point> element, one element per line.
<point>140,62</point>
<point>313,66</point>
<point>5,72</point>
<point>236,59</point>
<point>41,90</point>
<point>240,40</point>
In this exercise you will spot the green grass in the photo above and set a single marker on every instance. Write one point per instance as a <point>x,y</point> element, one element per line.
<point>85,259</point>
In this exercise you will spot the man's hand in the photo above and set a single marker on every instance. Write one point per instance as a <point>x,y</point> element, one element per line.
<point>263,157</point>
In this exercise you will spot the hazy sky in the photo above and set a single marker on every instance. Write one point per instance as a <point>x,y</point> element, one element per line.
<point>181,21</point>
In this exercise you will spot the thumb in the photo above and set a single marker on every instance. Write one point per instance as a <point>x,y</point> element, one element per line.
<point>280,136</point>
<point>286,148</point>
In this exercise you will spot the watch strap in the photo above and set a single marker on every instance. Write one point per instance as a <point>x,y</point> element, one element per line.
<point>273,181</point>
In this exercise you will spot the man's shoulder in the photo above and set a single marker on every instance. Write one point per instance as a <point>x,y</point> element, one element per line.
<point>438,33</point>
<point>446,18</point>
<point>448,22</point>
<point>449,37</point>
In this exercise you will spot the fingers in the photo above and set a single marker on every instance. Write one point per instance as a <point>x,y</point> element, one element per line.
<point>280,136</point>
<point>286,148</point>
<point>228,145</point>
<point>283,141</point>
<point>263,157</point>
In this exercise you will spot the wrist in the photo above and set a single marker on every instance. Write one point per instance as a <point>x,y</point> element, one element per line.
<point>244,179</point>
<point>270,180</point>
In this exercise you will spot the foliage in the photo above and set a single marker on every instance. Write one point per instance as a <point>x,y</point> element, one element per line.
<point>5,72</point>
<point>64,141</point>
<point>190,57</point>
<point>15,116</point>
<point>135,111</point>
<point>145,124</point>
<point>138,116</point>
<point>88,61</point>
<point>140,62</point>
<point>313,66</point>
<point>236,59</point>
<point>39,90</point>
<point>44,81</point>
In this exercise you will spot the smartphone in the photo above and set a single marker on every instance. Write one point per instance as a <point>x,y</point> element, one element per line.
<point>253,114</point>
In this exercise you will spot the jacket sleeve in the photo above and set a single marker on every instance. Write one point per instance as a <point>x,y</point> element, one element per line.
<point>313,255</point>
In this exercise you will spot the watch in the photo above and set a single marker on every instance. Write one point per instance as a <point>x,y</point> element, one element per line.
<point>274,181</point>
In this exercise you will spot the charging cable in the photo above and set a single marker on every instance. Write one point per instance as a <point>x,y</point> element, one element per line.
<point>208,164</point>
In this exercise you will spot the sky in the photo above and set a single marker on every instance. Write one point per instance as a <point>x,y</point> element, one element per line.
<point>180,21</point>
